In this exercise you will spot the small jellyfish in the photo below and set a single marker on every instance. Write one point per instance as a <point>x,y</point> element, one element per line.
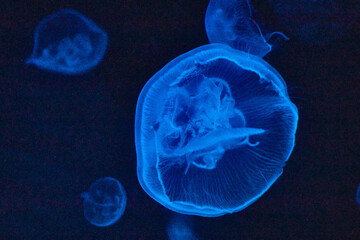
<point>358,194</point>
<point>105,202</point>
<point>213,130</point>
<point>68,42</point>
<point>319,22</point>
<point>180,227</point>
<point>229,22</point>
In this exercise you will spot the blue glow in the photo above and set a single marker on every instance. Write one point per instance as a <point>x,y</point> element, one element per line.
<point>68,42</point>
<point>319,22</point>
<point>229,22</point>
<point>213,130</point>
<point>358,194</point>
<point>105,202</point>
<point>180,228</point>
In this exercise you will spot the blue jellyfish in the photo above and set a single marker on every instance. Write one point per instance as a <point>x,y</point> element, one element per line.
<point>180,228</point>
<point>358,194</point>
<point>319,22</point>
<point>68,42</point>
<point>229,22</point>
<point>105,202</point>
<point>213,130</point>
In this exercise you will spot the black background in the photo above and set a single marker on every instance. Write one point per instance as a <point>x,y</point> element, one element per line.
<point>59,133</point>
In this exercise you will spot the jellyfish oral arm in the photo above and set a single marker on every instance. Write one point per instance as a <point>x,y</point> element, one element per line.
<point>205,151</point>
<point>196,123</point>
<point>218,137</point>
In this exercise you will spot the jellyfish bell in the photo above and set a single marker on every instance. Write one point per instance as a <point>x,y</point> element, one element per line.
<point>230,22</point>
<point>213,131</point>
<point>104,202</point>
<point>67,42</point>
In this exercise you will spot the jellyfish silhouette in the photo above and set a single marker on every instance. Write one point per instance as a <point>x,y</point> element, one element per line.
<point>105,202</point>
<point>180,228</point>
<point>213,131</point>
<point>318,22</point>
<point>229,22</point>
<point>68,42</point>
<point>358,194</point>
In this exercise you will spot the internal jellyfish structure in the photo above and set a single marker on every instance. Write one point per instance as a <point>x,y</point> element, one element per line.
<point>229,22</point>
<point>213,131</point>
<point>68,42</point>
<point>105,202</point>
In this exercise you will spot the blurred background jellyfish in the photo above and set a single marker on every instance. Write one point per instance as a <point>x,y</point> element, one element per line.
<point>318,22</point>
<point>230,22</point>
<point>213,131</point>
<point>180,227</point>
<point>105,202</point>
<point>68,42</point>
<point>358,194</point>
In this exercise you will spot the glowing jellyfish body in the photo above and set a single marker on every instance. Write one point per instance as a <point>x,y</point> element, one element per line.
<point>229,22</point>
<point>358,194</point>
<point>68,42</point>
<point>213,131</point>
<point>105,202</point>
<point>180,228</point>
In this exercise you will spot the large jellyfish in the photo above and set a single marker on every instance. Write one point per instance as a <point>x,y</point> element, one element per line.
<point>105,202</point>
<point>213,131</point>
<point>229,22</point>
<point>68,42</point>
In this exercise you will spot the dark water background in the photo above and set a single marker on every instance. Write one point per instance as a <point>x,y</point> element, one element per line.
<point>58,133</point>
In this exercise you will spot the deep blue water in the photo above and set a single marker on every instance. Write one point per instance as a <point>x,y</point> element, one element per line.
<point>58,134</point>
